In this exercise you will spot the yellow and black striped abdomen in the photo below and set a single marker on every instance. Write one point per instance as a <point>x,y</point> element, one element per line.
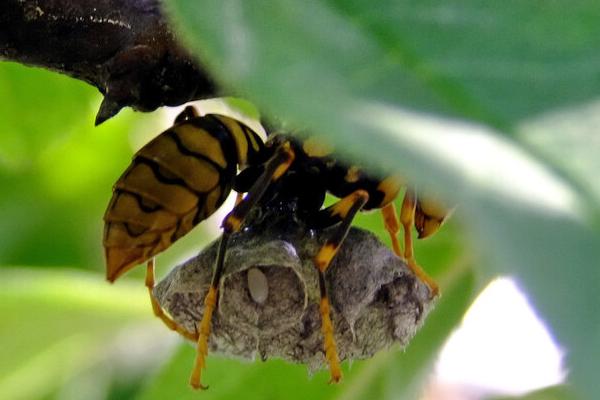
<point>174,182</point>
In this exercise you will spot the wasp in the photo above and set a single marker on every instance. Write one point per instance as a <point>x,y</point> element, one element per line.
<point>185,174</point>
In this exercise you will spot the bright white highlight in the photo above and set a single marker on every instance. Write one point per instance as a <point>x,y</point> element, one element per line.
<point>481,155</point>
<point>501,347</point>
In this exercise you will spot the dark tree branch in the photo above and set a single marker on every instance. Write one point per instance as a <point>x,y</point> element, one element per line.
<point>125,48</point>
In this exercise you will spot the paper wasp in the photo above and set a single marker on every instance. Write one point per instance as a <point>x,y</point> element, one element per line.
<point>185,174</point>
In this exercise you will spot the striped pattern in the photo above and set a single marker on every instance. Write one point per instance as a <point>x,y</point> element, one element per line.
<point>174,182</point>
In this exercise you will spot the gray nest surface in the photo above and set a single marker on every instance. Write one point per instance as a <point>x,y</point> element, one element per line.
<point>269,295</point>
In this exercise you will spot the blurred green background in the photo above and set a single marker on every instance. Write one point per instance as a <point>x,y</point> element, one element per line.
<point>496,108</point>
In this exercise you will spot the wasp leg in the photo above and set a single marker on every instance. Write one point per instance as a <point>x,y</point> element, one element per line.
<point>274,169</point>
<point>343,211</point>
<point>407,218</point>
<point>158,311</point>
<point>390,221</point>
<point>188,113</point>
<point>327,330</point>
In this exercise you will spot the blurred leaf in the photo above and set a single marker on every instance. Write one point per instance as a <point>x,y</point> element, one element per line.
<point>352,71</point>
<point>555,258</point>
<point>59,180</point>
<point>475,59</point>
<point>480,59</point>
<point>231,378</point>
<point>33,104</point>
<point>569,138</point>
<point>55,323</point>
<point>551,393</point>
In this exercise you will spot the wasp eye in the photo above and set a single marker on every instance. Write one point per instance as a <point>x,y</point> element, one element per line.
<point>258,285</point>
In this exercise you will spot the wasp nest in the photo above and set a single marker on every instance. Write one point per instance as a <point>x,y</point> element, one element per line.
<point>269,295</point>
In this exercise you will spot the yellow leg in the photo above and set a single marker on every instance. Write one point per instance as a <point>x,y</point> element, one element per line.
<point>407,218</point>
<point>343,212</point>
<point>390,221</point>
<point>274,169</point>
<point>329,342</point>
<point>210,302</point>
<point>158,311</point>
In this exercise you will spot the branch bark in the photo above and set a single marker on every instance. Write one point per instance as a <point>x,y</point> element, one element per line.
<point>125,48</point>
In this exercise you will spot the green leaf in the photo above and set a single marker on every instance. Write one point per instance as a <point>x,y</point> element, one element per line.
<point>551,393</point>
<point>58,169</point>
<point>29,121</point>
<point>230,378</point>
<point>569,139</point>
<point>473,59</point>
<point>57,323</point>
<point>381,82</point>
